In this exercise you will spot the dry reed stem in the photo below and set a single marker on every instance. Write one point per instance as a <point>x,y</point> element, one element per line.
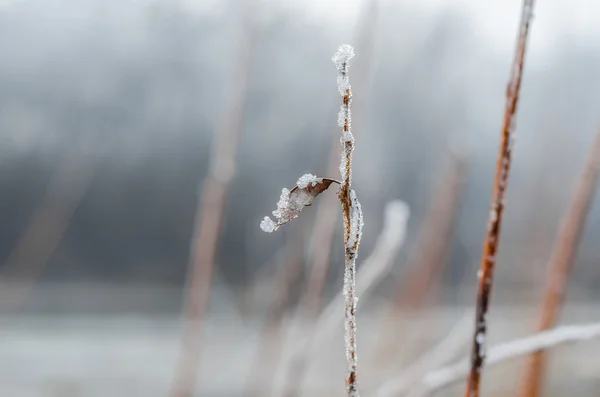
<point>432,249</point>
<point>47,226</point>
<point>352,218</point>
<point>372,270</point>
<point>209,218</point>
<point>443,352</point>
<point>327,215</point>
<point>442,377</point>
<point>561,263</point>
<point>492,240</point>
<point>269,345</point>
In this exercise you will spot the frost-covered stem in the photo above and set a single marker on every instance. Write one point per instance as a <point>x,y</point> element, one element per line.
<point>352,215</point>
<point>372,270</point>
<point>565,249</point>
<point>488,261</point>
<point>442,377</point>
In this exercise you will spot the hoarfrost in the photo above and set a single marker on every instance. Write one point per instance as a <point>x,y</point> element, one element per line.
<point>307,180</point>
<point>341,59</point>
<point>291,202</point>
<point>480,338</point>
<point>267,225</point>
<point>356,223</point>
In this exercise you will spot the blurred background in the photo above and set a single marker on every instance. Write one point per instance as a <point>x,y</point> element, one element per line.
<point>137,137</point>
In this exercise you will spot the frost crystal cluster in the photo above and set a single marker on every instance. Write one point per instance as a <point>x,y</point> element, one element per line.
<point>291,202</point>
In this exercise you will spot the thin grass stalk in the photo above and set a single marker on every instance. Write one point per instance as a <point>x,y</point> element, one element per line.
<point>492,239</point>
<point>327,216</point>
<point>293,201</point>
<point>561,264</point>
<point>209,217</point>
<point>352,218</point>
<point>269,344</point>
<point>46,228</point>
<point>432,250</point>
<point>440,378</point>
<point>444,352</point>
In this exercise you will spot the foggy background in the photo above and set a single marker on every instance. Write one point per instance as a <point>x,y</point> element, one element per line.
<point>109,111</point>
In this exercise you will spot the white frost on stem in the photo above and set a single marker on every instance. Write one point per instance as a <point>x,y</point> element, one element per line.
<point>440,378</point>
<point>372,271</point>
<point>291,202</point>
<point>353,219</point>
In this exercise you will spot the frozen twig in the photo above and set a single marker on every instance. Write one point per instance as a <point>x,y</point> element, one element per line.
<point>442,377</point>
<point>565,249</point>
<point>443,352</point>
<point>352,214</point>
<point>372,271</point>
<point>309,186</point>
<point>492,239</point>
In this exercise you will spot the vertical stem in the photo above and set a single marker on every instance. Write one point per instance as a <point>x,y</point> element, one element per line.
<point>352,216</point>
<point>492,239</point>
<point>47,226</point>
<point>207,226</point>
<point>561,264</point>
<point>269,345</point>
<point>424,269</point>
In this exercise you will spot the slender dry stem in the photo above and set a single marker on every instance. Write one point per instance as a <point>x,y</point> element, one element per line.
<point>442,353</point>
<point>269,344</point>
<point>352,216</point>
<point>561,263</point>
<point>208,221</point>
<point>425,267</point>
<point>488,261</point>
<point>47,226</point>
<point>327,215</point>
<point>372,270</point>
<point>442,377</point>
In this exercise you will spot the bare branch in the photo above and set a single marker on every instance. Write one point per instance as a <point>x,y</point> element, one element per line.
<point>565,249</point>
<point>440,378</point>
<point>442,353</point>
<point>492,240</point>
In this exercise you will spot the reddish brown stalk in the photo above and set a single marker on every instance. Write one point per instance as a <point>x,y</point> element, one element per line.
<point>492,239</point>
<point>561,263</point>
<point>437,232</point>
<point>327,214</point>
<point>269,345</point>
<point>46,228</point>
<point>208,222</point>
<point>433,244</point>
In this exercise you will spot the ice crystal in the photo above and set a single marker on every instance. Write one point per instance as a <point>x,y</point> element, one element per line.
<point>307,180</point>
<point>291,202</point>
<point>267,225</point>
<point>341,59</point>
<point>356,223</point>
